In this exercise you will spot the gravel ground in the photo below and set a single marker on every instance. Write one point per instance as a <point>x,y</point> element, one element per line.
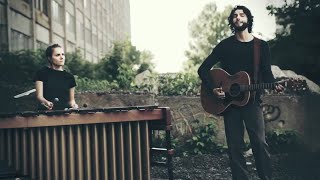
<point>289,166</point>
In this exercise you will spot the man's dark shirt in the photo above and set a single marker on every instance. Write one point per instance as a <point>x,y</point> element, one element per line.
<point>56,85</point>
<point>235,56</point>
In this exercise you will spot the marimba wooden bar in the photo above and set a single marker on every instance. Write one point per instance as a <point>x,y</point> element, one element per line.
<point>85,144</point>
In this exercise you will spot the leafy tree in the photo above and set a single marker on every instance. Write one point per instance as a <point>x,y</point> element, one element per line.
<point>297,39</point>
<point>185,83</point>
<point>19,68</point>
<point>76,64</point>
<point>123,63</point>
<point>146,64</point>
<point>207,30</point>
<point>17,71</point>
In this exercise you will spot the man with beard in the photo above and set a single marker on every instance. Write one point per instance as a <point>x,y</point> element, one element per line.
<point>235,54</point>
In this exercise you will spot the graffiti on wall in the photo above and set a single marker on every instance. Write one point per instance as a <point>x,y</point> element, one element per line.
<point>270,112</point>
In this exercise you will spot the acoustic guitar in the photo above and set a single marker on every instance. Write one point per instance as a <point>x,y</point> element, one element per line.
<point>238,89</point>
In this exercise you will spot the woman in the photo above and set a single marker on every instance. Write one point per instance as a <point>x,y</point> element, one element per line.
<point>54,86</point>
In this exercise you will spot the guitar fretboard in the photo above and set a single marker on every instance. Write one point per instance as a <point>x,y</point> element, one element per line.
<point>253,87</point>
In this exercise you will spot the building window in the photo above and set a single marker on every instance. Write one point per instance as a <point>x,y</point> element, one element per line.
<point>94,59</point>
<point>88,56</point>
<point>100,46</point>
<point>81,50</point>
<point>70,23</point>
<point>3,19</point>
<point>94,12</point>
<point>71,47</point>
<point>41,45</point>
<point>3,39</point>
<point>87,7</point>
<point>3,29</point>
<point>80,3</point>
<point>100,15</point>
<point>88,36</point>
<point>80,30</point>
<point>57,12</point>
<point>42,5</point>
<point>19,41</point>
<point>94,36</point>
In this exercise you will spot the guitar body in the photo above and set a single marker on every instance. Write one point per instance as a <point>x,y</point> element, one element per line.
<point>230,84</point>
<point>237,89</point>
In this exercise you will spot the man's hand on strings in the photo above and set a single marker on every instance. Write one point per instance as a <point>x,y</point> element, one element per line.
<point>219,93</point>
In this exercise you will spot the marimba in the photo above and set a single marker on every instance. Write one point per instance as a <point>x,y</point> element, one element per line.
<point>76,144</point>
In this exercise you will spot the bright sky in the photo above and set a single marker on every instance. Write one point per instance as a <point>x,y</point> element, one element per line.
<point>161,26</point>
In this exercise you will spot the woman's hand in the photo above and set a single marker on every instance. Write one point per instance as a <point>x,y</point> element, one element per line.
<point>73,105</point>
<point>47,104</point>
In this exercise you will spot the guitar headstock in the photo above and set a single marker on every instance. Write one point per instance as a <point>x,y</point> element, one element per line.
<point>294,84</point>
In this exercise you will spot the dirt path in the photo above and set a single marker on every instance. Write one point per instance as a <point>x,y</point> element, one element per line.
<point>293,166</point>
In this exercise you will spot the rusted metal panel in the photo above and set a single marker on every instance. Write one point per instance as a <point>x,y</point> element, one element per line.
<point>128,151</point>
<point>112,152</point>
<point>63,154</point>
<point>32,156</point>
<point>55,153</point>
<point>104,152</point>
<point>71,155</point>
<point>96,154</point>
<point>39,156</point>
<point>137,149</point>
<point>79,152</point>
<point>145,150</point>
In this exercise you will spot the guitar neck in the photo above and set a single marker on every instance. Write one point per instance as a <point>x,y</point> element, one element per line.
<point>254,87</point>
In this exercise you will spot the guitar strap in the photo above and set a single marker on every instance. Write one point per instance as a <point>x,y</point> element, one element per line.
<point>256,61</point>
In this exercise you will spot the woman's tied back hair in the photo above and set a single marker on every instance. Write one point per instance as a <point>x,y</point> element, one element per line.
<point>49,50</point>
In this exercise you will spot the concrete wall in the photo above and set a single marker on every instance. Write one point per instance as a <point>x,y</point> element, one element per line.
<point>280,111</point>
<point>300,113</point>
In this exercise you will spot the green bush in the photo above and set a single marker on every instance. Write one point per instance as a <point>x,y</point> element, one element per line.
<point>284,141</point>
<point>203,140</point>
<point>179,84</point>
<point>78,66</point>
<point>115,71</point>
<point>18,68</point>
<point>86,84</point>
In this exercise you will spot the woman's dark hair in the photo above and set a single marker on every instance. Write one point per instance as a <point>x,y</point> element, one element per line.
<point>49,50</point>
<point>248,14</point>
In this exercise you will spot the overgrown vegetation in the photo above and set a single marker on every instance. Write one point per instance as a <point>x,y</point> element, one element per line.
<point>116,71</point>
<point>203,140</point>
<point>187,83</point>
<point>284,141</point>
<point>298,34</point>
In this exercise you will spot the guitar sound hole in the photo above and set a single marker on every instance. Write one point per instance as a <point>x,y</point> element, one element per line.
<point>234,90</point>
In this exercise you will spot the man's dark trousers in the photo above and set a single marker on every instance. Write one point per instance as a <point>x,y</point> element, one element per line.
<point>252,116</point>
